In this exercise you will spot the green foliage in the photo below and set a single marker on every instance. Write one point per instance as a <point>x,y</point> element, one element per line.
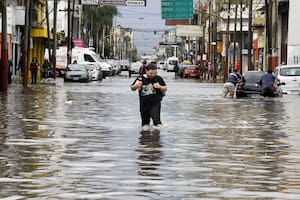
<point>97,20</point>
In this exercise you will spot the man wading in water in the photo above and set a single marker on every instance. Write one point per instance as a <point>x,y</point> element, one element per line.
<point>151,89</point>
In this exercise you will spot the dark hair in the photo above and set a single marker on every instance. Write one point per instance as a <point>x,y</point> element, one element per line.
<point>150,67</point>
<point>270,71</point>
<point>144,62</point>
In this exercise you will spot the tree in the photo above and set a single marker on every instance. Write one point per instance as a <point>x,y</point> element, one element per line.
<point>97,21</point>
<point>126,41</point>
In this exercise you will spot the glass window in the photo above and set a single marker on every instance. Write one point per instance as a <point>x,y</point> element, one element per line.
<point>291,71</point>
<point>88,58</point>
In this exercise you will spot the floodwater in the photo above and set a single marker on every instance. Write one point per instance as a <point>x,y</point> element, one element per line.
<point>82,141</point>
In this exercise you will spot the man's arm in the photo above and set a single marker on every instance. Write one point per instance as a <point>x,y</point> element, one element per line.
<point>137,85</point>
<point>161,85</point>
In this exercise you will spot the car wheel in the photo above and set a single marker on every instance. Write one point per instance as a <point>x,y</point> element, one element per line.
<point>100,78</point>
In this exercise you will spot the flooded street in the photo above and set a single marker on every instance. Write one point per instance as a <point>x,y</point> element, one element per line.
<point>83,141</point>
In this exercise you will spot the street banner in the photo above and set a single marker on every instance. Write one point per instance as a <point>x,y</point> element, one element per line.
<point>189,30</point>
<point>114,2</point>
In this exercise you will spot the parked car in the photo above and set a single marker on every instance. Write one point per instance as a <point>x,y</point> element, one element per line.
<point>107,69</point>
<point>191,71</point>
<point>115,66</point>
<point>135,67</point>
<point>161,65</point>
<point>96,72</point>
<point>124,64</point>
<point>78,72</point>
<point>290,75</point>
<point>182,66</point>
<point>170,63</point>
<point>250,85</point>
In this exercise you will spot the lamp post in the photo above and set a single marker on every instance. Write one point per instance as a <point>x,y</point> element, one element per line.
<point>4,53</point>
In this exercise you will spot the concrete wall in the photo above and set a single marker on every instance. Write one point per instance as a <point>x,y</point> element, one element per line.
<point>293,33</point>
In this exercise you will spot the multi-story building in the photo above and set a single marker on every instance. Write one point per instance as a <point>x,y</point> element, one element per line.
<point>38,31</point>
<point>123,43</point>
<point>226,25</point>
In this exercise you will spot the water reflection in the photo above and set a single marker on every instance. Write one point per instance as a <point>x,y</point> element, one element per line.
<point>81,141</point>
<point>150,154</point>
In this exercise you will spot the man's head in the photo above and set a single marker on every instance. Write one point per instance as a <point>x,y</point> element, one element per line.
<point>270,71</point>
<point>151,71</point>
<point>144,62</point>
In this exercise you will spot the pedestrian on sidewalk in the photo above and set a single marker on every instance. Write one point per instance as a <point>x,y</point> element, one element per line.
<point>46,69</point>
<point>151,89</point>
<point>33,69</point>
<point>143,67</point>
<point>209,70</point>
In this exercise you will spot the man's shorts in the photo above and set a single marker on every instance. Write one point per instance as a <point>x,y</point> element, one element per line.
<point>229,88</point>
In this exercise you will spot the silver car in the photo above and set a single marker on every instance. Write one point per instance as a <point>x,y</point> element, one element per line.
<point>290,76</point>
<point>78,72</point>
<point>135,67</point>
<point>96,72</point>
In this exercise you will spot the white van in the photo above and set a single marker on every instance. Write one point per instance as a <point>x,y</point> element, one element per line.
<point>170,64</point>
<point>290,76</point>
<point>82,56</point>
<point>87,56</point>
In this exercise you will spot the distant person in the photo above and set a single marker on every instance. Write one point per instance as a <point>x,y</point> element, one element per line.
<point>176,70</point>
<point>21,64</point>
<point>231,82</point>
<point>238,66</point>
<point>10,71</point>
<point>46,69</point>
<point>143,68</point>
<point>75,62</point>
<point>267,82</point>
<point>151,89</point>
<point>33,69</point>
<point>209,70</point>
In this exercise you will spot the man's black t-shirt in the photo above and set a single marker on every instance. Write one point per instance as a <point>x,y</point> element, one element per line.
<point>148,94</point>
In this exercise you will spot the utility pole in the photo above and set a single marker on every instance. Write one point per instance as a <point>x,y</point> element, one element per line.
<point>69,50</point>
<point>48,30</point>
<point>268,34</point>
<point>250,37</point>
<point>26,38</point>
<point>227,43</point>
<point>241,37</point>
<point>235,35</point>
<point>209,31</point>
<point>4,53</point>
<point>214,39</point>
<point>273,22</point>
<point>53,60</point>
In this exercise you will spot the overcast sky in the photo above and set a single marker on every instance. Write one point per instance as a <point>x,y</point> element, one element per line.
<point>144,21</point>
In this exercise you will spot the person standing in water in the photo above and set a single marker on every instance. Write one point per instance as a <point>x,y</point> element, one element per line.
<point>151,89</point>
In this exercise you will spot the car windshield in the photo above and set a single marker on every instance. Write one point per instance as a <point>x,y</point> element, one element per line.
<point>253,77</point>
<point>291,71</point>
<point>124,62</point>
<point>96,57</point>
<point>193,67</point>
<point>185,66</point>
<point>172,62</point>
<point>136,64</point>
<point>76,67</point>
